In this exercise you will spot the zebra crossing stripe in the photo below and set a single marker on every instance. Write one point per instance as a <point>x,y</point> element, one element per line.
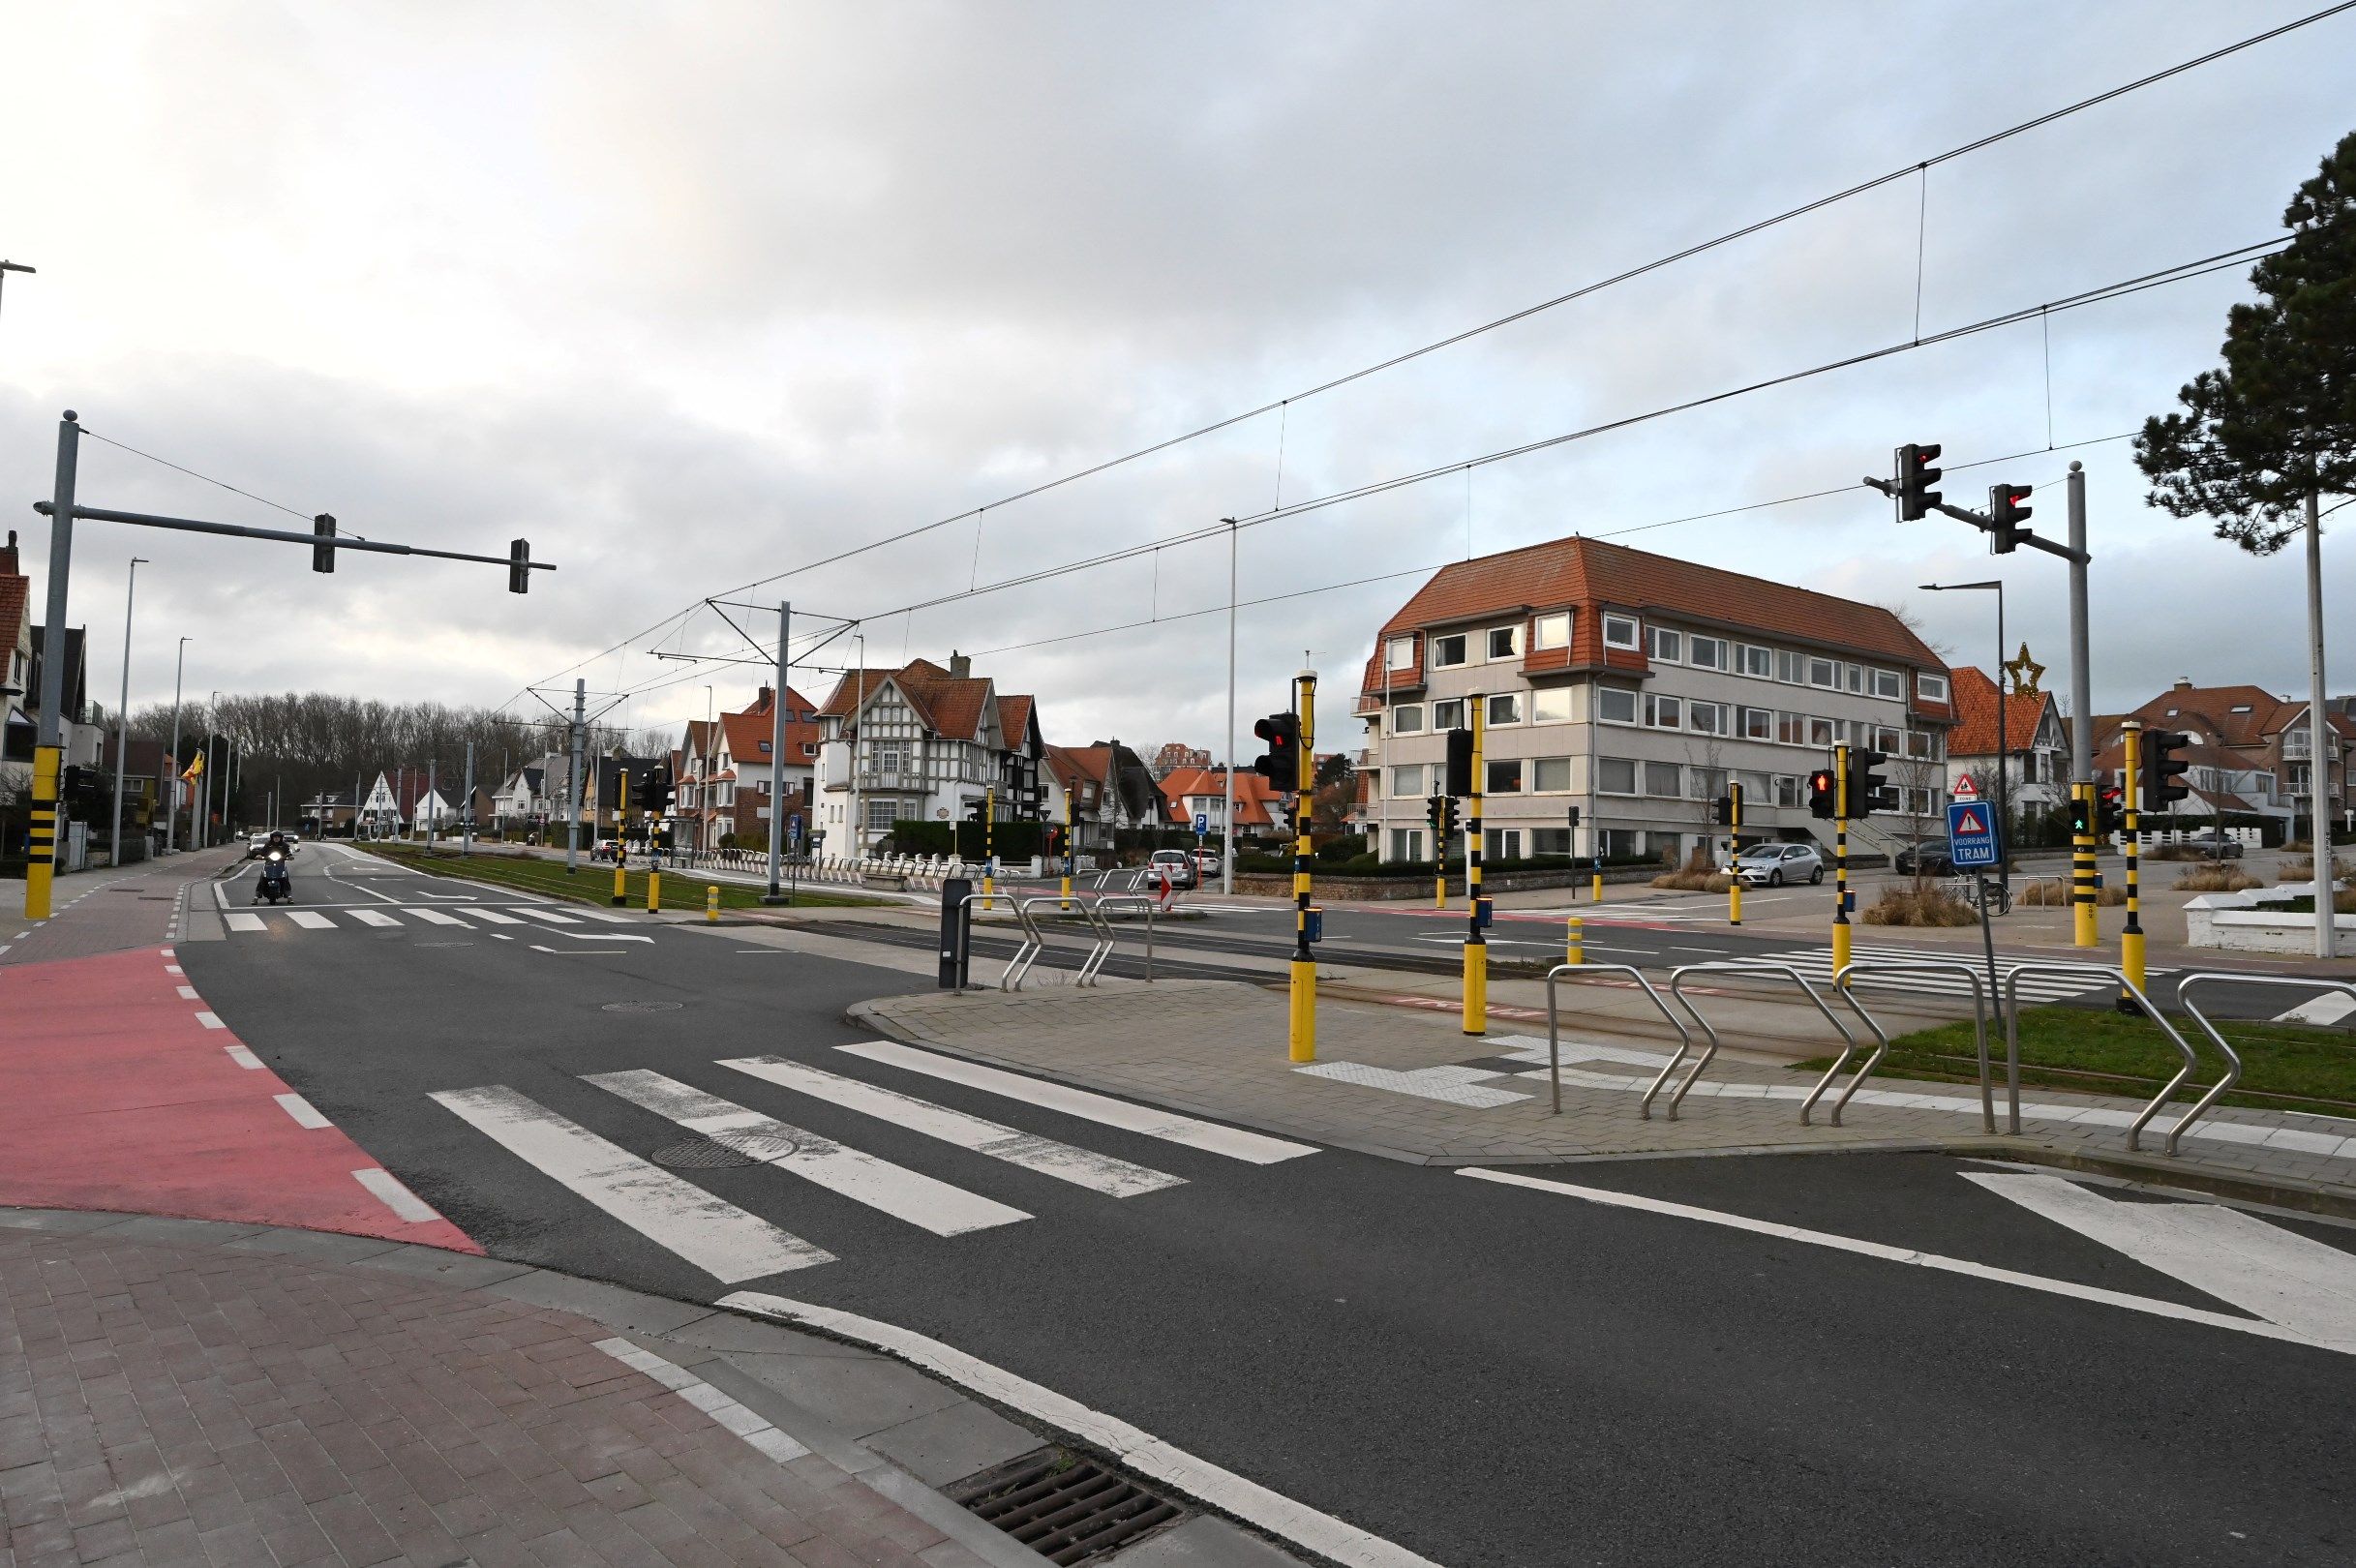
<point>716,1236</point>
<point>491,916</point>
<point>311,919</point>
<point>608,915</point>
<point>895,1189</point>
<point>551,916</point>
<point>372,916</point>
<point>1082,1168</point>
<point>1253,1148</point>
<point>243,922</point>
<point>433,916</point>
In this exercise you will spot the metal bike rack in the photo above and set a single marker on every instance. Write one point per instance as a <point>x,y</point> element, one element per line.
<point>1025,956</point>
<point>2134,1130</point>
<point>1676,982</point>
<point>2184,999</point>
<point>1099,943</point>
<point>1846,976</point>
<point>1124,901</point>
<point>1553,1033</point>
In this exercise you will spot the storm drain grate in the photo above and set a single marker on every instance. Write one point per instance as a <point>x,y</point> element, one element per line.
<point>708,1153</point>
<point>1065,1507</point>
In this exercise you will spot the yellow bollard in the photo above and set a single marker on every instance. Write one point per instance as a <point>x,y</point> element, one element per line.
<point>1575,942</point>
<point>1596,893</point>
<point>1734,901</point>
<point>621,885</point>
<point>1841,947</point>
<point>41,859</point>
<point>654,889</point>
<point>712,906</point>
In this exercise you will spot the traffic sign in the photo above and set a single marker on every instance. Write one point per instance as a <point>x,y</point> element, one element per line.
<point>1965,789</point>
<point>1202,822</point>
<point>1972,842</point>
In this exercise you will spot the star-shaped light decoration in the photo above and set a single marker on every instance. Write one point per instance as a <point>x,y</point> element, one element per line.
<point>2025,672</point>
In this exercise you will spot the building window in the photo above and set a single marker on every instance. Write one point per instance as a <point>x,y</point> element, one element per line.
<point>1758,724</point>
<point>1406,780</point>
<point>1890,685</point>
<point>1616,705</point>
<point>1856,678</point>
<point>1504,642</point>
<point>1447,652</point>
<point>1755,661</point>
<point>1406,843</point>
<point>1550,704</point>
<point>1502,844</point>
<point>1555,630</point>
<point>1505,707</point>
<point>1448,714</point>
<point>1664,712</point>
<point>1400,653</point>
<point>1823,732</point>
<point>1615,775</point>
<point>1408,720</point>
<point>1667,645</point>
<point>1708,654</point>
<point>1886,741</point>
<point>1552,775</point>
<point>1791,729</point>
<point>1787,789</point>
<point>1931,688</point>
<point>1505,777</point>
<point>1620,631</point>
<point>1662,780</point>
<point>1545,841</point>
<point>1789,668</point>
<point>1706,718</point>
<point>1704,783</point>
<point>880,814</point>
<point>1824,673</point>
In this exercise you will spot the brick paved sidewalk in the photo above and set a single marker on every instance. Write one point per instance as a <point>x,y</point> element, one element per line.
<point>109,910</point>
<point>167,1398</point>
<point>1411,1085</point>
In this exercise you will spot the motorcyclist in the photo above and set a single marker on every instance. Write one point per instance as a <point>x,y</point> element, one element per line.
<point>276,870</point>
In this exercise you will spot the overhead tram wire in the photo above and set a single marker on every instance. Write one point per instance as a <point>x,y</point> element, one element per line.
<point>2181,273</point>
<point>1510,318</point>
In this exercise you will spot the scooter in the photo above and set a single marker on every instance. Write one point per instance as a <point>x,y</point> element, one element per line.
<point>274,884</point>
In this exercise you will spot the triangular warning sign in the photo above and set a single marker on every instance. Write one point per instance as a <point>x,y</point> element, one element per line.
<point>1971,821</point>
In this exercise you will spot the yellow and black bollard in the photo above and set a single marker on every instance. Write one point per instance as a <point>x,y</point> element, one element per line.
<point>2082,863</point>
<point>1733,852</point>
<point>654,888</point>
<point>1840,859</point>
<point>712,906</point>
<point>1575,942</point>
<point>41,852</point>
<point>622,884</point>
<point>2130,939</point>
<point>1476,938</point>
<point>1303,1020</point>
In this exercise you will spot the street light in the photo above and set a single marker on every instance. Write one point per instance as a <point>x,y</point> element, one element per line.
<point>172,812</point>
<point>6,267</point>
<point>2004,782</point>
<point>122,717</point>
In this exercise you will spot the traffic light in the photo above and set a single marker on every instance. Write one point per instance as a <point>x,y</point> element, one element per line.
<point>1281,764</point>
<point>2164,768</point>
<point>975,807</point>
<point>1574,817</point>
<point>2005,515</point>
<point>1866,782</point>
<point>1447,823</point>
<point>660,790</point>
<point>1436,811</point>
<point>2112,815</point>
<point>1459,764</point>
<point>519,567</point>
<point>1914,478</point>
<point>2081,817</point>
<point>1823,801</point>
<point>1722,811</point>
<point>324,556</point>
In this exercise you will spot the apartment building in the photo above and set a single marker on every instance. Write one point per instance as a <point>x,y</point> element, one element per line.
<point>1635,686</point>
<point>725,769</point>
<point>2251,754</point>
<point>922,742</point>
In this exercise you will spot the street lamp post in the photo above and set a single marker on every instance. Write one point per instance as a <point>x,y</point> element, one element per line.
<point>122,717</point>
<point>2004,761</point>
<point>172,813</point>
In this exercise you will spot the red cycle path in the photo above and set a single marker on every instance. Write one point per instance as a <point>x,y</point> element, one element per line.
<point>114,1095</point>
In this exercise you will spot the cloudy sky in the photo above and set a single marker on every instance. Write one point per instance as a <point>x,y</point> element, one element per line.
<point>694,295</point>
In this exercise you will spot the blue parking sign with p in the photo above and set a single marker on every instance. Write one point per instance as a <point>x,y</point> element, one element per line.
<point>1202,822</point>
<point>1971,835</point>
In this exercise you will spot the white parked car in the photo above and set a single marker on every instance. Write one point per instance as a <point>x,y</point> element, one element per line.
<point>1774,865</point>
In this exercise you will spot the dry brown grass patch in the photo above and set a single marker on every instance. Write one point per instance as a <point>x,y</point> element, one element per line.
<point>2216,878</point>
<point>1922,904</point>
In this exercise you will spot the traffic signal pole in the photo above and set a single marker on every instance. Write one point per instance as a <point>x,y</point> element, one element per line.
<point>1071,791</point>
<point>2081,714</point>
<point>1476,940</point>
<point>1304,990</point>
<point>989,845</point>
<point>49,749</point>
<point>1734,848</point>
<point>1840,859</point>
<point>2130,939</point>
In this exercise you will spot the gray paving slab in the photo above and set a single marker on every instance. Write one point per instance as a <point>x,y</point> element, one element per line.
<point>1202,1542</point>
<point>948,1445</point>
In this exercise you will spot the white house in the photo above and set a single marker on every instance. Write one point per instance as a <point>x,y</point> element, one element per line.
<point>926,742</point>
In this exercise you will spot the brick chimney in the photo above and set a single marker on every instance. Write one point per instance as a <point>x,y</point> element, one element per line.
<point>761,704</point>
<point>8,557</point>
<point>959,666</point>
<point>2184,683</point>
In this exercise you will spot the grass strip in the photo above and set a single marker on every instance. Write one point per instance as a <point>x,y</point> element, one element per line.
<point>595,884</point>
<point>2284,1067</point>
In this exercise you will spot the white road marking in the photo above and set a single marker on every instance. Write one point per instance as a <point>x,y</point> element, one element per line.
<point>2325,1010</point>
<point>1453,1085</point>
<point>311,919</point>
<point>433,917</point>
<point>903,1194</point>
<point>373,917</point>
<point>169,953</point>
<point>305,1113</point>
<point>244,923</point>
<point>1082,1168</point>
<point>490,917</point>
<point>405,1204</point>
<point>715,1236</point>
<point>241,1057</point>
<point>1320,1535</point>
<point>608,915</point>
<point>575,953</point>
<point>2236,1257</point>
<point>1155,1123</point>
<point>171,969</point>
<point>755,1430</point>
<point>552,916</point>
<point>1900,1254</point>
<point>606,935</point>
<point>210,1020</point>
<point>187,993</point>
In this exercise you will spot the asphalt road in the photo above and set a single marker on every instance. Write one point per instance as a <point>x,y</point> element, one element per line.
<point>1487,1374</point>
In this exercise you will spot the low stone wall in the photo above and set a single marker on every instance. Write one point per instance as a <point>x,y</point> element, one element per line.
<point>1374,890</point>
<point>2255,922</point>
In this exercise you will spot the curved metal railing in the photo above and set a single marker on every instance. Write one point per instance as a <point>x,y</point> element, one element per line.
<point>1846,977</point>
<point>1553,1033</point>
<point>1676,989</point>
<point>2134,1130</point>
<point>2233,1075</point>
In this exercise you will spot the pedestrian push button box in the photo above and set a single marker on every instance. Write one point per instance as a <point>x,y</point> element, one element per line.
<point>1313,923</point>
<point>1485,913</point>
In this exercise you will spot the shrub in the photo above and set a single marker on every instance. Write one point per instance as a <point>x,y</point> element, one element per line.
<point>2219,877</point>
<point>2053,892</point>
<point>1921,904</point>
<point>2173,852</point>
<point>2305,871</point>
<point>1690,881</point>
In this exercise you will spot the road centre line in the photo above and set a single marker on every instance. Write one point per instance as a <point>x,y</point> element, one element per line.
<point>1320,1535</point>
<point>1912,1259</point>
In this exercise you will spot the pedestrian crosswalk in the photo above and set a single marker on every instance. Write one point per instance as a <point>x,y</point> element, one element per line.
<point>734,1243</point>
<point>1816,963</point>
<point>285,919</point>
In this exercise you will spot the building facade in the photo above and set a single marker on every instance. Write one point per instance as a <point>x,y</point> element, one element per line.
<point>1635,687</point>
<point>2251,754</point>
<point>2034,742</point>
<point>922,742</point>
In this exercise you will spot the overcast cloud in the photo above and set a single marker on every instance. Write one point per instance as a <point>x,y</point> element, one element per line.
<point>690,295</point>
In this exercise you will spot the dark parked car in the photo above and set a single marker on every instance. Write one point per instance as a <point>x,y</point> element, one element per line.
<point>1923,860</point>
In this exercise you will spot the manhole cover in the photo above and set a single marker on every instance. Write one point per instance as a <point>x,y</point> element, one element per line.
<point>641,1007</point>
<point>704,1154</point>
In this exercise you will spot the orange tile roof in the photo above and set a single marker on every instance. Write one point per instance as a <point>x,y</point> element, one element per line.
<point>1974,733</point>
<point>1014,720</point>
<point>1070,763</point>
<point>2212,709</point>
<point>749,732</point>
<point>1254,794</point>
<point>1587,575</point>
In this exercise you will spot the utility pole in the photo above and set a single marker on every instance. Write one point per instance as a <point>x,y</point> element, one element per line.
<point>2081,720</point>
<point>433,790</point>
<point>122,717</point>
<point>48,750</point>
<point>2319,736</point>
<point>465,810</point>
<point>1227,827</point>
<point>572,781</point>
<point>1477,939</point>
<point>777,752</point>
<point>172,813</point>
<point>858,737</point>
<point>1303,991</point>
